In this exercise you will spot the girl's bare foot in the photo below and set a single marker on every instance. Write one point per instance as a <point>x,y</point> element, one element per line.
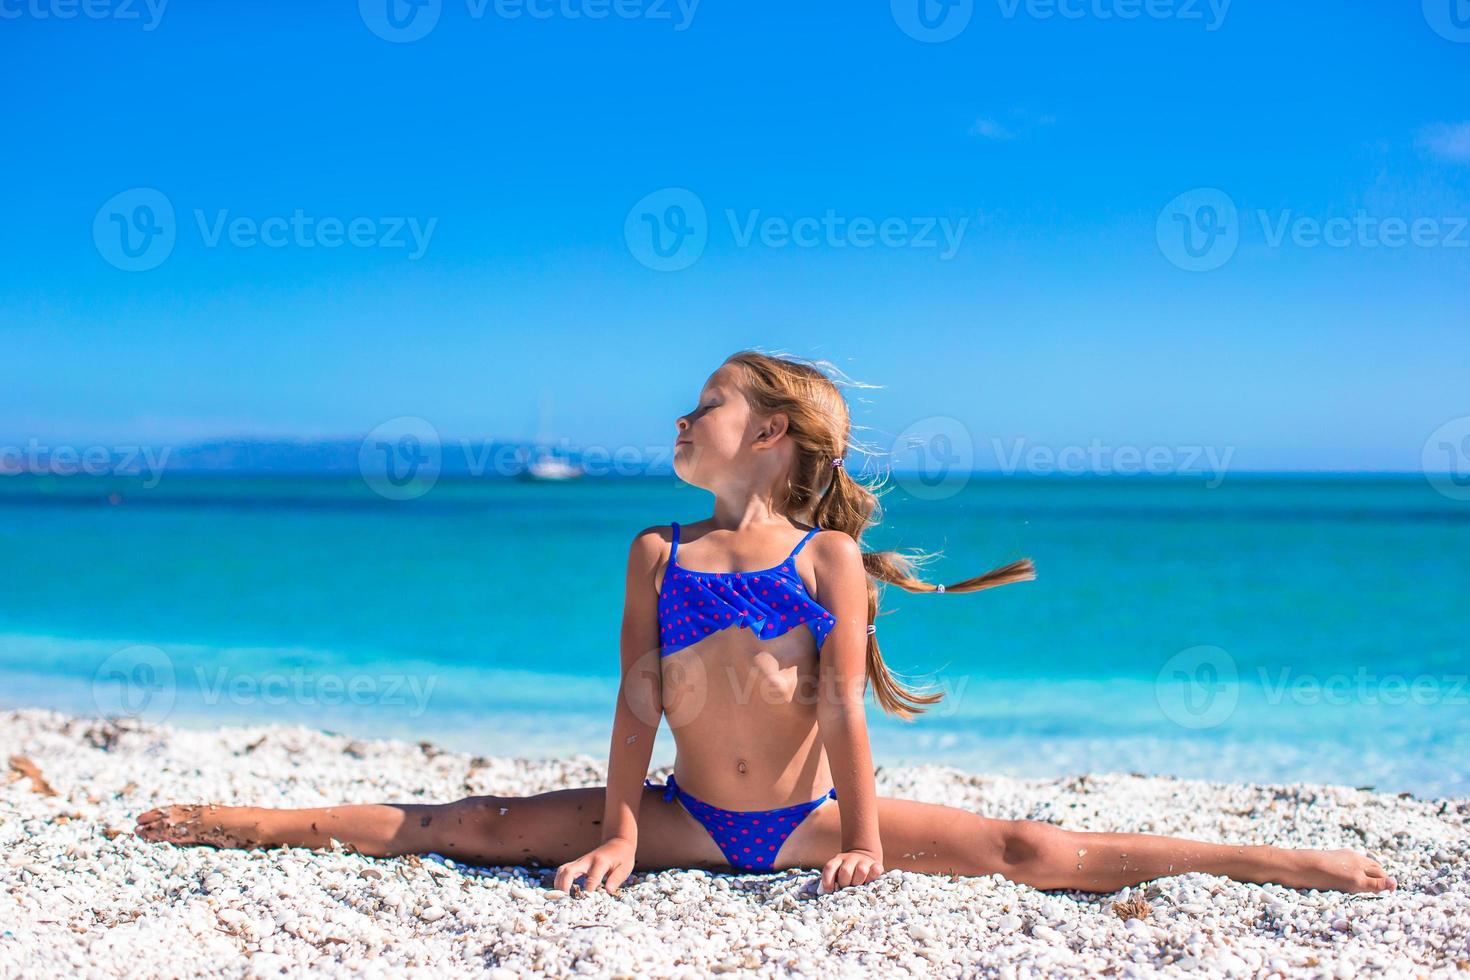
<point>198,823</point>
<point>1343,870</point>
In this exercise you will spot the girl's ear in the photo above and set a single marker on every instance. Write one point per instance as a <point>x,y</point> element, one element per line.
<point>773,427</point>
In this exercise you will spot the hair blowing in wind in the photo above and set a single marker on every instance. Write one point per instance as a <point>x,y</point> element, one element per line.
<point>832,498</point>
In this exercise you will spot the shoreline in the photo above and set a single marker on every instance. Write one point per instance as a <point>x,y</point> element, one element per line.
<point>87,893</point>
<point>1109,726</point>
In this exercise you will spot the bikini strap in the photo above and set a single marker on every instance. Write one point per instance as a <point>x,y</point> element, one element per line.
<point>675,550</point>
<point>802,543</point>
<point>670,788</point>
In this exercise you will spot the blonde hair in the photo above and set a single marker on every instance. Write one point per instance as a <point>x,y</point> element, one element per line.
<point>820,427</point>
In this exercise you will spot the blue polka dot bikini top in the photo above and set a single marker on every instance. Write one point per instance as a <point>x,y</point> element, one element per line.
<point>768,602</point>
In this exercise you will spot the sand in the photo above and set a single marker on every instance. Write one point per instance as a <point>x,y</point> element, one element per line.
<point>84,897</point>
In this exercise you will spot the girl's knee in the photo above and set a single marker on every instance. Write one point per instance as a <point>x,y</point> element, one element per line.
<point>1029,841</point>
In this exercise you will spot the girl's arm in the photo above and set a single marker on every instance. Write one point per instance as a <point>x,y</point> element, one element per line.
<point>640,696</point>
<point>635,723</point>
<point>842,584</point>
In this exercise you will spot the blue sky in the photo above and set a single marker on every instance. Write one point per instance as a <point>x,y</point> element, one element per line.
<point>1060,313</point>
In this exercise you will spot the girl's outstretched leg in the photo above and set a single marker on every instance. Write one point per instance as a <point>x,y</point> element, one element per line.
<point>941,839</point>
<point>1046,856</point>
<point>547,830</point>
<point>377,830</point>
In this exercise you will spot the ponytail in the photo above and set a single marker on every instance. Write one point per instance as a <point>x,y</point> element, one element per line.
<point>846,496</point>
<point>819,485</point>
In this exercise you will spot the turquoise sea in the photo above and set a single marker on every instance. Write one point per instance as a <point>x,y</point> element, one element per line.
<point>1268,629</point>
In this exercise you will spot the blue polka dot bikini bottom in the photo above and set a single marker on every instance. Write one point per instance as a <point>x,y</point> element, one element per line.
<point>749,839</point>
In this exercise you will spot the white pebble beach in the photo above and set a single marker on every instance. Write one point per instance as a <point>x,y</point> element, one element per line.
<point>84,897</point>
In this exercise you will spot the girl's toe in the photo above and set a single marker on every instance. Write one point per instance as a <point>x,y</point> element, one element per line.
<point>1379,882</point>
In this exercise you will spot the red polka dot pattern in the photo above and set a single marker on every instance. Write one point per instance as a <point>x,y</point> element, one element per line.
<point>749,839</point>
<point>768,602</point>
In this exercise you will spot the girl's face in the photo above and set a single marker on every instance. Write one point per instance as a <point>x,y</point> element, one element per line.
<point>713,437</point>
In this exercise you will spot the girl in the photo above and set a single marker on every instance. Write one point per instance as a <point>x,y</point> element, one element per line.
<point>767,717</point>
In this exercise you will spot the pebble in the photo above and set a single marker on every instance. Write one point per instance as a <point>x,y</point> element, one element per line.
<point>72,897</point>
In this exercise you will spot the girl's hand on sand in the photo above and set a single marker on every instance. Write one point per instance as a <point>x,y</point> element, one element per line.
<point>850,868</point>
<point>608,865</point>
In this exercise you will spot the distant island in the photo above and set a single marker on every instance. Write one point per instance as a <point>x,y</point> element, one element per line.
<point>465,458</point>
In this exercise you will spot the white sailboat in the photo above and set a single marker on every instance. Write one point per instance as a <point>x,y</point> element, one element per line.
<point>551,468</point>
<point>544,465</point>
